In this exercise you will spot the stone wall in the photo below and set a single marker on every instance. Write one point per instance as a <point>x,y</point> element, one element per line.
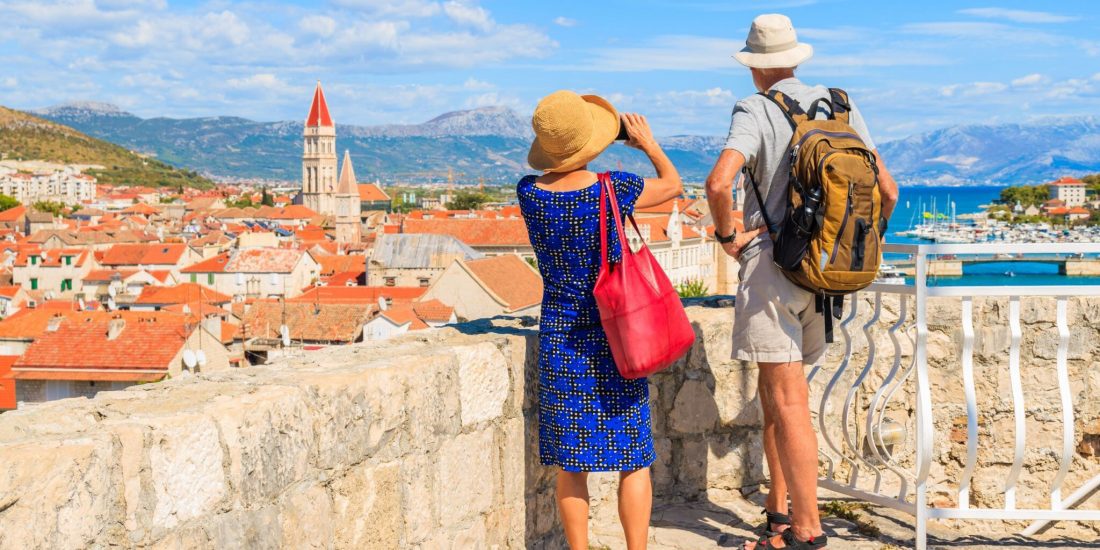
<point>429,441</point>
<point>424,442</point>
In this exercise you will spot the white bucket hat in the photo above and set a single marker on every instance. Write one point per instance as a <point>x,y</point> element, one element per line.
<point>773,44</point>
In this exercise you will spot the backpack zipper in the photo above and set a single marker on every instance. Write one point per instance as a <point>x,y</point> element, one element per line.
<point>843,225</point>
<point>828,133</point>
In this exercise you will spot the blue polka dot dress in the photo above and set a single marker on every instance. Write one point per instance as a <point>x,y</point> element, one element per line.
<point>591,419</point>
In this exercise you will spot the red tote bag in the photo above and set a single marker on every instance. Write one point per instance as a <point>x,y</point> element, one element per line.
<point>640,310</point>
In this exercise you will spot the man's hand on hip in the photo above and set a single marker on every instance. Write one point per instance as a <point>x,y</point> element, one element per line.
<point>740,242</point>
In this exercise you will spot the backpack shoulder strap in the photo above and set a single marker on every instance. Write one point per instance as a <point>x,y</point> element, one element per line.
<point>840,104</point>
<point>791,109</point>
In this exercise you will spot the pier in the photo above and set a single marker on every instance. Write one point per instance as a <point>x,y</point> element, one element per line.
<point>953,266</point>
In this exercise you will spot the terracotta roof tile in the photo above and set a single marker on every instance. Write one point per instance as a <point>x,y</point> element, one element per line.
<point>180,294</point>
<point>371,192</point>
<point>323,322</point>
<point>148,340</point>
<point>433,311</point>
<point>367,295</point>
<point>510,278</point>
<point>144,254</point>
<point>474,232</point>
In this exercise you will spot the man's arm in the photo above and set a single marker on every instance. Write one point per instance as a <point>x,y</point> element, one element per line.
<point>720,198</point>
<point>887,187</point>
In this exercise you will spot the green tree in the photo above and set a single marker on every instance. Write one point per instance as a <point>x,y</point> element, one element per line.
<point>53,207</point>
<point>7,202</point>
<point>266,199</point>
<point>468,200</point>
<point>1026,195</point>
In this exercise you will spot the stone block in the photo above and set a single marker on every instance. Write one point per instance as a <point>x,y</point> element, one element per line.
<point>735,396</point>
<point>367,511</point>
<point>695,410</point>
<point>186,467</point>
<point>484,382</point>
<point>468,472</point>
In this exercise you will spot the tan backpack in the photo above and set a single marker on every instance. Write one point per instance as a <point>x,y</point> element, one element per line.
<point>829,241</point>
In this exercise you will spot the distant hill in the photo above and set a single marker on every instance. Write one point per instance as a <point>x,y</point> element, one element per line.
<point>492,142</point>
<point>1005,153</point>
<point>28,137</point>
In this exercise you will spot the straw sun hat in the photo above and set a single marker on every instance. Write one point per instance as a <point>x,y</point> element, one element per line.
<point>773,44</point>
<point>571,130</point>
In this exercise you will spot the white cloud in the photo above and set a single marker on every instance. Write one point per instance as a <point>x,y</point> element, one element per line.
<point>475,84</point>
<point>399,8</point>
<point>986,32</point>
<point>973,89</point>
<point>563,21</point>
<point>1029,80</point>
<point>257,81</point>
<point>10,82</point>
<point>320,25</point>
<point>469,15</point>
<point>493,99</point>
<point>1019,16</point>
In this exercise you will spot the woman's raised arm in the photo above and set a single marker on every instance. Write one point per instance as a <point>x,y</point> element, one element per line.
<point>667,185</point>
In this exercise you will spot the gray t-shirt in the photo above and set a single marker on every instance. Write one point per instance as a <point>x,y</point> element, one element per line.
<point>760,131</point>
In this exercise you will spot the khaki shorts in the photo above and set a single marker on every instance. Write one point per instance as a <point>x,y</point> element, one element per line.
<point>774,321</point>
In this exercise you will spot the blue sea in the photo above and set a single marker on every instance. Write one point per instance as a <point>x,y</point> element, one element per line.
<point>968,200</point>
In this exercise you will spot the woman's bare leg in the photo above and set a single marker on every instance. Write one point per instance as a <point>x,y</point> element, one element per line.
<point>635,506</point>
<point>572,495</point>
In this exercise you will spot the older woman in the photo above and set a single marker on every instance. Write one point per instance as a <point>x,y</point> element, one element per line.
<point>590,418</point>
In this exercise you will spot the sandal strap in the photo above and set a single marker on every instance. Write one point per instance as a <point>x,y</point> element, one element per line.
<point>793,543</point>
<point>777,518</point>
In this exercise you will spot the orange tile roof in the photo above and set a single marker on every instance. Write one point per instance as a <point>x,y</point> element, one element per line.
<point>433,310</point>
<point>52,258</point>
<point>344,263</point>
<point>7,385</point>
<point>215,264</point>
<point>322,322</point>
<point>13,214</point>
<point>359,294</point>
<point>404,315</point>
<point>148,341</point>
<point>291,212</point>
<point>1066,181</point>
<point>28,324</point>
<point>1078,210</point>
<point>182,293</point>
<point>141,209</point>
<point>9,291</point>
<point>371,192</point>
<point>474,232</point>
<point>1058,211</point>
<point>342,278</point>
<point>508,277</point>
<point>88,375</point>
<point>144,254</point>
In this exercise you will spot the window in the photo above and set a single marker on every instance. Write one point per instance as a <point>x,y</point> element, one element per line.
<point>66,284</point>
<point>34,284</point>
<point>424,281</point>
<point>210,279</point>
<point>391,281</point>
<point>34,260</point>
<point>194,278</point>
<point>68,260</point>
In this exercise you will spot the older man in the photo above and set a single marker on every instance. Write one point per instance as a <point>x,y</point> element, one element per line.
<point>776,324</point>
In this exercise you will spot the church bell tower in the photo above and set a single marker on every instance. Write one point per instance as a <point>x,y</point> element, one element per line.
<point>319,158</point>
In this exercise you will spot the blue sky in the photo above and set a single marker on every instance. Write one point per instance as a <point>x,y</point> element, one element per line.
<point>911,66</point>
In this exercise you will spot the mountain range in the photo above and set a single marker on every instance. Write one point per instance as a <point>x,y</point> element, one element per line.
<point>27,137</point>
<point>492,143</point>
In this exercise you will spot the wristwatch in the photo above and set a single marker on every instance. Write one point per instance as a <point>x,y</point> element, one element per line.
<point>724,240</point>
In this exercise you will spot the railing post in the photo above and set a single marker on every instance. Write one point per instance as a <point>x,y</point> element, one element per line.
<point>924,402</point>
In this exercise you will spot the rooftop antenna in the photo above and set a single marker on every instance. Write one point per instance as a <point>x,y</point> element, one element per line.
<point>190,359</point>
<point>382,305</point>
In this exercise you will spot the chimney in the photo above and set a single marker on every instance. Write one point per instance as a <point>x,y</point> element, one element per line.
<point>54,323</point>
<point>114,328</point>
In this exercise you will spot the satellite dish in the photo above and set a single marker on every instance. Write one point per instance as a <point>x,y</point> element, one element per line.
<point>382,305</point>
<point>82,305</point>
<point>200,358</point>
<point>189,359</point>
<point>284,331</point>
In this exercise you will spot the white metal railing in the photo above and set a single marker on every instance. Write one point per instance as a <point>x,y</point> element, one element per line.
<point>862,463</point>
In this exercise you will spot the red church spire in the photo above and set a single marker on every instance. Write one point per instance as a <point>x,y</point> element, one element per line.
<point>318,112</point>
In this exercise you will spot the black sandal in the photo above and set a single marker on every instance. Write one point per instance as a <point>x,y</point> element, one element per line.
<point>766,531</point>
<point>792,542</point>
